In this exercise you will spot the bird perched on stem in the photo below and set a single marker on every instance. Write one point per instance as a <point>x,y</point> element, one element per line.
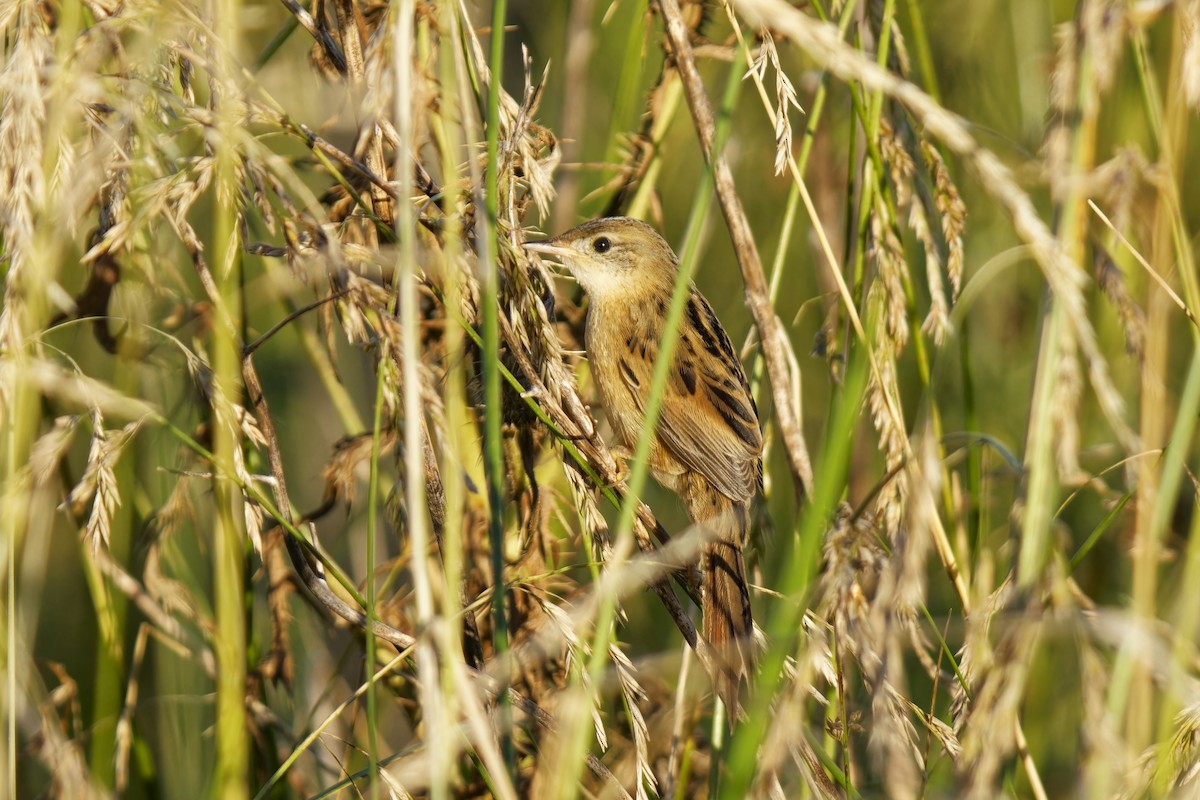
<point>707,447</point>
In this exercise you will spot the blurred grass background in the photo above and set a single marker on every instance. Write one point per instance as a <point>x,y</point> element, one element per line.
<point>1099,663</point>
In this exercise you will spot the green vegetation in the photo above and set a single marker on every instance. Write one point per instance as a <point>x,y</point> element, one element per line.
<point>303,494</point>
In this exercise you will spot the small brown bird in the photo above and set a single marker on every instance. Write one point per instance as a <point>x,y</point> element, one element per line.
<point>708,447</point>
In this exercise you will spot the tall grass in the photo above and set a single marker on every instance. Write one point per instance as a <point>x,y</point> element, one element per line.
<point>306,491</point>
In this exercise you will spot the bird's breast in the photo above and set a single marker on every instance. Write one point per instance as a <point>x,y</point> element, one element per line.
<point>612,339</point>
<point>622,342</point>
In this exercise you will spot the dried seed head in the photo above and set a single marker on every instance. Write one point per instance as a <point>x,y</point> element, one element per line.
<point>952,213</point>
<point>854,559</point>
<point>1111,281</point>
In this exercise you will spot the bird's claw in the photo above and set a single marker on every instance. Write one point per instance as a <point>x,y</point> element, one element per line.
<point>621,457</point>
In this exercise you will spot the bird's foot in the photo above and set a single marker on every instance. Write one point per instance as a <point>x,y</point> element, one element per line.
<point>621,456</point>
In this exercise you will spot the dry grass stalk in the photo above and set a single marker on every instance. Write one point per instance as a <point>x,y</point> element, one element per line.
<point>1063,276</point>
<point>22,183</point>
<point>158,104</point>
<point>757,296</point>
<point>1189,21</point>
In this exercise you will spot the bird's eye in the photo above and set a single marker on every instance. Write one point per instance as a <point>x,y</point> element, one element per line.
<point>601,244</point>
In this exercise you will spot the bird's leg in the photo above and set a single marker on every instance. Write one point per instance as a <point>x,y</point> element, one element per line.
<point>621,456</point>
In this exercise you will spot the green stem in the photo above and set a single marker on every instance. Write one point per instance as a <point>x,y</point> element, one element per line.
<point>796,575</point>
<point>372,526</point>
<point>492,436</point>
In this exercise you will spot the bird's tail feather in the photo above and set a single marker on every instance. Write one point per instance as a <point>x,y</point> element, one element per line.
<point>728,626</point>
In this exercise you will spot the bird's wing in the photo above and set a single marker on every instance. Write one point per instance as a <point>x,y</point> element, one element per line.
<point>709,422</point>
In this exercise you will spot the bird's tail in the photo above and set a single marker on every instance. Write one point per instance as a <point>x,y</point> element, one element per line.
<point>728,626</point>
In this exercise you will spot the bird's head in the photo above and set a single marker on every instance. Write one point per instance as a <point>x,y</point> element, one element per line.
<point>613,257</point>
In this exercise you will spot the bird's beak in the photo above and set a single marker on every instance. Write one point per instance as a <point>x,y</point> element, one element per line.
<point>547,247</point>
